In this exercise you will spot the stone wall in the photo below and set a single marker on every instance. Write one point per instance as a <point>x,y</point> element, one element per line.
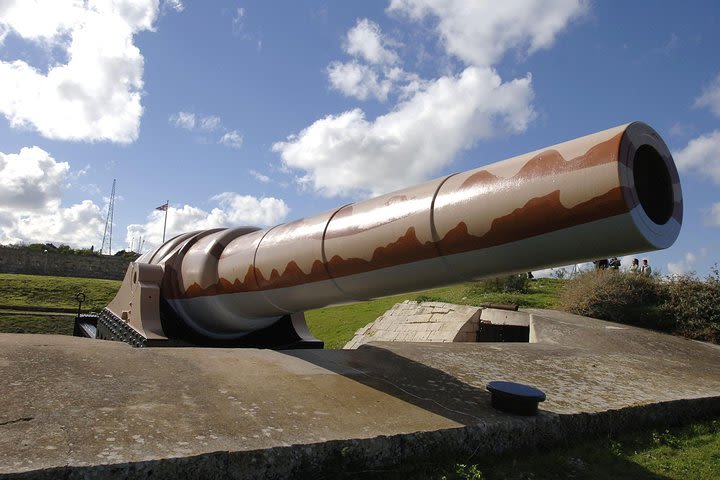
<point>33,262</point>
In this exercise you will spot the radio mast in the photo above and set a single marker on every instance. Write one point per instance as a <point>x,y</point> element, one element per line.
<point>107,236</point>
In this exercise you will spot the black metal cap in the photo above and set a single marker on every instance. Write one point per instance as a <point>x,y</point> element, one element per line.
<point>515,398</point>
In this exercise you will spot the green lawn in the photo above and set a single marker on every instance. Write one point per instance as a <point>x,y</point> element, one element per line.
<point>34,323</point>
<point>55,292</point>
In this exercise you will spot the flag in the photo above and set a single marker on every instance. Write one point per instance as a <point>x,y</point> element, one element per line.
<point>163,207</point>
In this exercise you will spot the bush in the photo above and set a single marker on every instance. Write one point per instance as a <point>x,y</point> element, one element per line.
<point>615,296</point>
<point>684,305</point>
<point>695,306</point>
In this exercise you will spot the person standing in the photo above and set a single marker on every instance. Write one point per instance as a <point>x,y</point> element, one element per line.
<point>635,266</point>
<point>645,269</point>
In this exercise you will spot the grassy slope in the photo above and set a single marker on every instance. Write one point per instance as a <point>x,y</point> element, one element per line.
<point>54,292</point>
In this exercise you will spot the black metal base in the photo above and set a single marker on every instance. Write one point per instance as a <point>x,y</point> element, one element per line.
<point>289,332</point>
<point>85,326</point>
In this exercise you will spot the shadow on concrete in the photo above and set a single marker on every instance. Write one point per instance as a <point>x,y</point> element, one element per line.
<point>425,387</point>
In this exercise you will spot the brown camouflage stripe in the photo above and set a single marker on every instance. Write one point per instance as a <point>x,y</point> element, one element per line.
<point>538,216</point>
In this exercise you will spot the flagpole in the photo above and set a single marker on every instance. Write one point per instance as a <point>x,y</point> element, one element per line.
<point>167,206</point>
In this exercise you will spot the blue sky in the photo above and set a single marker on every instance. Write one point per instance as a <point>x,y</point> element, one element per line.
<point>260,112</point>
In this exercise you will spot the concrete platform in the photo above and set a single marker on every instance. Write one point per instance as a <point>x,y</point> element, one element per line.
<point>80,408</point>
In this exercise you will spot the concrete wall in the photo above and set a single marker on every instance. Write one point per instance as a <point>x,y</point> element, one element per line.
<point>33,262</point>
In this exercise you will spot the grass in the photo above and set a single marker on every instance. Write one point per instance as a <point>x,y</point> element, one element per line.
<point>686,452</point>
<point>337,325</point>
<point>691,451</point>
<point>55,292</point>
<point>35,323</point>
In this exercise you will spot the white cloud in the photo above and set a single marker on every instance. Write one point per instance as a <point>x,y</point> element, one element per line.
<point>176,5</point>
<point>210,123</point>
<point>686,265</point>
<point>31,188</point>
<point>710,97</point>
<point>432,120</point>
<point>259,176</point>
<point>702,154</point>
<point>238,22</point>
<point>366,41</point>
<point>232,210</point>
<point>479,33</point>
<point>347,154</point>
<point>232,139</point>
<point>94,92</point>
<point>30,180</point>
<point>712,216</point>
<point>184,120</point>
<point>357,80</point>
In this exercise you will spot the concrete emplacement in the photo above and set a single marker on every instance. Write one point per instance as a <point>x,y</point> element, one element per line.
<point>82,408</point>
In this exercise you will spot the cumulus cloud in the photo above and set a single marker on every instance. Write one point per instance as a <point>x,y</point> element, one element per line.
<point>232,210</point>
<point>712,216</point>
<point>94,91</point>
<point>184,120</point>
<point>210,123</point>
<point>479,33</point>
<point>358,80</point>
<point>30,180</point>
<point>206,124</point>
<point>366,41</point>
<point>238,20</point>
<point>702,155</point>
<point>31,189</point>
<point>232,139</point>
<point>430,120</point>
<point>176,5</point>
<point>259,176</point>
<point>686,264</point>
<point>710,97</point>
<point>347,154</point>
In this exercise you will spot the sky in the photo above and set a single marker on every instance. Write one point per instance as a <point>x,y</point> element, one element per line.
<point>262,112</point>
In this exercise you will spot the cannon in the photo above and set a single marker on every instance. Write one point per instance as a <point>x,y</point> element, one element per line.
<point>609,193</point>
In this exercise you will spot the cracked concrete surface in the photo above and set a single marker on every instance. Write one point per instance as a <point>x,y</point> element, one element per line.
<point>80,408</point>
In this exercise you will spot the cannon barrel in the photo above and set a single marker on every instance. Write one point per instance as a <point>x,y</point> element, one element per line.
<point>610,193</point>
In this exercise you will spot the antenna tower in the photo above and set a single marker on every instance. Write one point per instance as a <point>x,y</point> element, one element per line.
<point>107,236</point>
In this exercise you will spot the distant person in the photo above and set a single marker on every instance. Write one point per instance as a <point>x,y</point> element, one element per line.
<point>601,264</point>
<point>645,269</point>
<point>614,263</point>
<point>635,266</point>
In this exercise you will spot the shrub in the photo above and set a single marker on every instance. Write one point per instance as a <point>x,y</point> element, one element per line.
<point>695,305</point>
<point>614,296</point>
<point>685,305</point>
<point>508,283</point>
